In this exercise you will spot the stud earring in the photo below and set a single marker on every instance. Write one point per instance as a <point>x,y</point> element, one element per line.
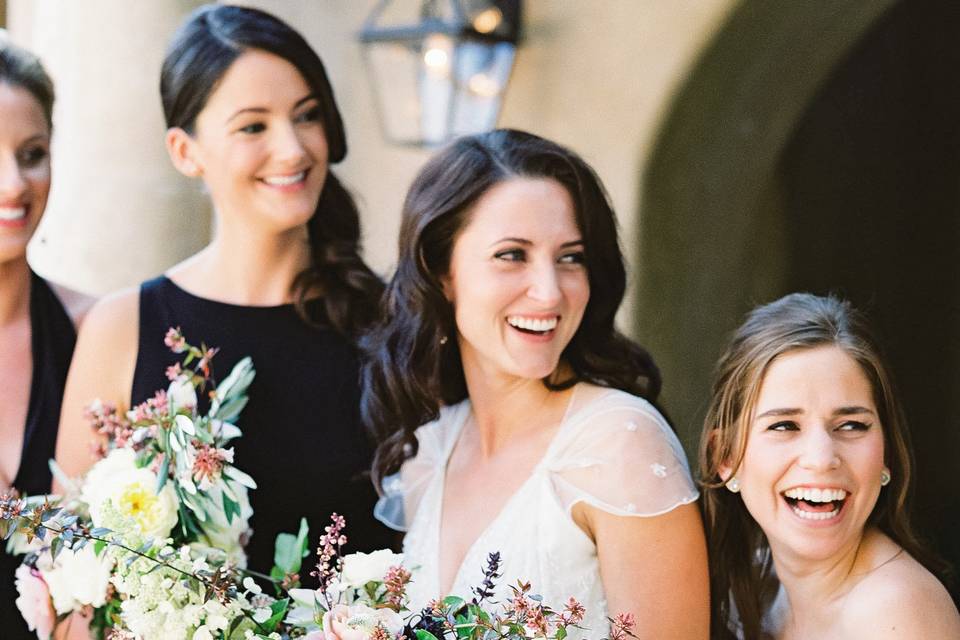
<point>733,484</point>
<point>884,477</point>
<point>443,340</point>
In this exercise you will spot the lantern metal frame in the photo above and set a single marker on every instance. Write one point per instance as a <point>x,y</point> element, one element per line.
<point>461,31</point>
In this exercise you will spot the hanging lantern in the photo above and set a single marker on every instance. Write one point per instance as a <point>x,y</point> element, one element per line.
<point>439,68</point>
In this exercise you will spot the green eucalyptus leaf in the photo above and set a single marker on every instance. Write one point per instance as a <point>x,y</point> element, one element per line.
<point>163,473</point>
<point>235,474</point>
<point>279,610</point>
<point>231,508</point>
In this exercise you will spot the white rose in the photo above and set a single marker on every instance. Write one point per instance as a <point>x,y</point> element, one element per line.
<point>132,492</point>
<point>361,568</point>
<point>76,578</point>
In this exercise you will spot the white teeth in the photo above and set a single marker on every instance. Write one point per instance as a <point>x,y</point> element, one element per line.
<point>283,181</point>
<point>12,213</point>
<point>815,515</point>
<point>815,495</point>
<point>533,324</point>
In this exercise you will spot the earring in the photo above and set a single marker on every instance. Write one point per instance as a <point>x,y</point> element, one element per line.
<point>733,484</point>
<point>443,340</point>
<point>884,477</point>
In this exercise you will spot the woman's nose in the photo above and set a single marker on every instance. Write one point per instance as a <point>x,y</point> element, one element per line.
<point>12,183</point>
<point>288,147</point>
<point>819,451</point>
<point>544,285</point>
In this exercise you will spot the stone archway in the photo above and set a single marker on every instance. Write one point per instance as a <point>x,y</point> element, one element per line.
<point>814,148</point>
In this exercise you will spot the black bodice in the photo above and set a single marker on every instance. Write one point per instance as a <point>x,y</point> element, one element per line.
<point>302,438</point>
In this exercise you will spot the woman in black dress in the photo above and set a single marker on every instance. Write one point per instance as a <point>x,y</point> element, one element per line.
<point>251,113</point>
<point>36,317</point>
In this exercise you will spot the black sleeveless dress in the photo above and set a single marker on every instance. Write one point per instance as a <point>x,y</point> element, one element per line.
<point>52,341</point>
<point>302,438</point>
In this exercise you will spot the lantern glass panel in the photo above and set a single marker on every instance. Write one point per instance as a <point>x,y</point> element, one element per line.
<point>481,77</point>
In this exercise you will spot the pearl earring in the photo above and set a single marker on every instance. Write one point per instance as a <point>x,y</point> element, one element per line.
<point>884,477</point>
<point>733,484</point>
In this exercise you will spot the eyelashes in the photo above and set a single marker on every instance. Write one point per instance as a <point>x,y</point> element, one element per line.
<point>32,156</point>
<point>848,425</point>
<point>520,255</point>
<point>310,115</point>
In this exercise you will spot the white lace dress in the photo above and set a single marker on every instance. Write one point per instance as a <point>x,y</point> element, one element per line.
<point>613,451</point>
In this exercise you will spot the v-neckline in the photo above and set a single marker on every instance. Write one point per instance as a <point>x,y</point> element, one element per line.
<point>451,443</point>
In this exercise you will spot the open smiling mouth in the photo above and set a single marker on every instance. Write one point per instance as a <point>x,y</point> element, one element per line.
<point>533,326</point>
<point>815,504</point>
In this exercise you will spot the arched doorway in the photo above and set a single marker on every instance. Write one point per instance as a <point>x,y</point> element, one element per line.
<point>817,147</point>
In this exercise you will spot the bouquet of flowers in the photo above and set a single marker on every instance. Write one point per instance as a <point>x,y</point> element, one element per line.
<point>151,542</point>
<point>363,597</point>
<point>152,539</point>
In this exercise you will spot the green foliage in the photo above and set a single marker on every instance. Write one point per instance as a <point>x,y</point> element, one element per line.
<point>289,551</point>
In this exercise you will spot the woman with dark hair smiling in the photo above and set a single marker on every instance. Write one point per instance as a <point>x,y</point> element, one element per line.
<point>36,317</point>
<point>519,419</point>
<point>806,463</point>
<point>250,111</point>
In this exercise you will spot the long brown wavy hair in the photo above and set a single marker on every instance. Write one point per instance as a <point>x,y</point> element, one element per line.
<point>412,369</point>
<point>740,561</point>
<point>338,289</point>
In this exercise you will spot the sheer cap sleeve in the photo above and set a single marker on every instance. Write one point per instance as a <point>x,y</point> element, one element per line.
<point>403,491</point>
<point>618,454</point>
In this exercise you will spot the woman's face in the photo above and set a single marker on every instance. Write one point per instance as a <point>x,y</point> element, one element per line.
<point>517,279</point>
<point>811,471</point>
<point>24,169</point>
<point>260,145</point>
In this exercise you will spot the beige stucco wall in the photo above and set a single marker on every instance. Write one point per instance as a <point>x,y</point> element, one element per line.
<point>593,75</point>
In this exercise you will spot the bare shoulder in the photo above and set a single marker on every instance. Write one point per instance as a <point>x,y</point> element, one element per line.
<point>901,599</point>
<point>113,317</point>
<point>76,304</point>
<point>102,368</point>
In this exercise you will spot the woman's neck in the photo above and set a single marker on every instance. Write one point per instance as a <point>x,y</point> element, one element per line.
<point>507,407</point>
<point>14,291</point>
<point>815,589</point>
<point>246,266</point>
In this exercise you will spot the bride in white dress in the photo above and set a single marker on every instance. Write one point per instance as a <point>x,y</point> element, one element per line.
<point>537,441</point>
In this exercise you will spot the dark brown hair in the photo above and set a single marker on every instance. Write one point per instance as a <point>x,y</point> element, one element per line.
<point>338,288</point>
<point>740,560</point>
<point>409,374</point>
<point>21,68</point>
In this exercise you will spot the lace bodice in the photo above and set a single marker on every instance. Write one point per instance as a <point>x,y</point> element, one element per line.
<point>613,451</point>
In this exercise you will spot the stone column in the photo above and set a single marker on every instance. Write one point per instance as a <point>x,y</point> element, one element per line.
<point>118,211</point>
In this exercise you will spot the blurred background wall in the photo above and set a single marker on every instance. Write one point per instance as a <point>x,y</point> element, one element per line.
<point>751,148</point>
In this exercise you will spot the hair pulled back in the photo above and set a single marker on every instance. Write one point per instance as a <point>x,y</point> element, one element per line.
<point>740,562</point>
<point>413,365</point>
<point>21,68</point>
<point>338,288</point>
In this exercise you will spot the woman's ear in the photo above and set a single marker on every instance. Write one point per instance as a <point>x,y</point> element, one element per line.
<point>724,468</point>
<point>447,285</point>
<point>182,151</point>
